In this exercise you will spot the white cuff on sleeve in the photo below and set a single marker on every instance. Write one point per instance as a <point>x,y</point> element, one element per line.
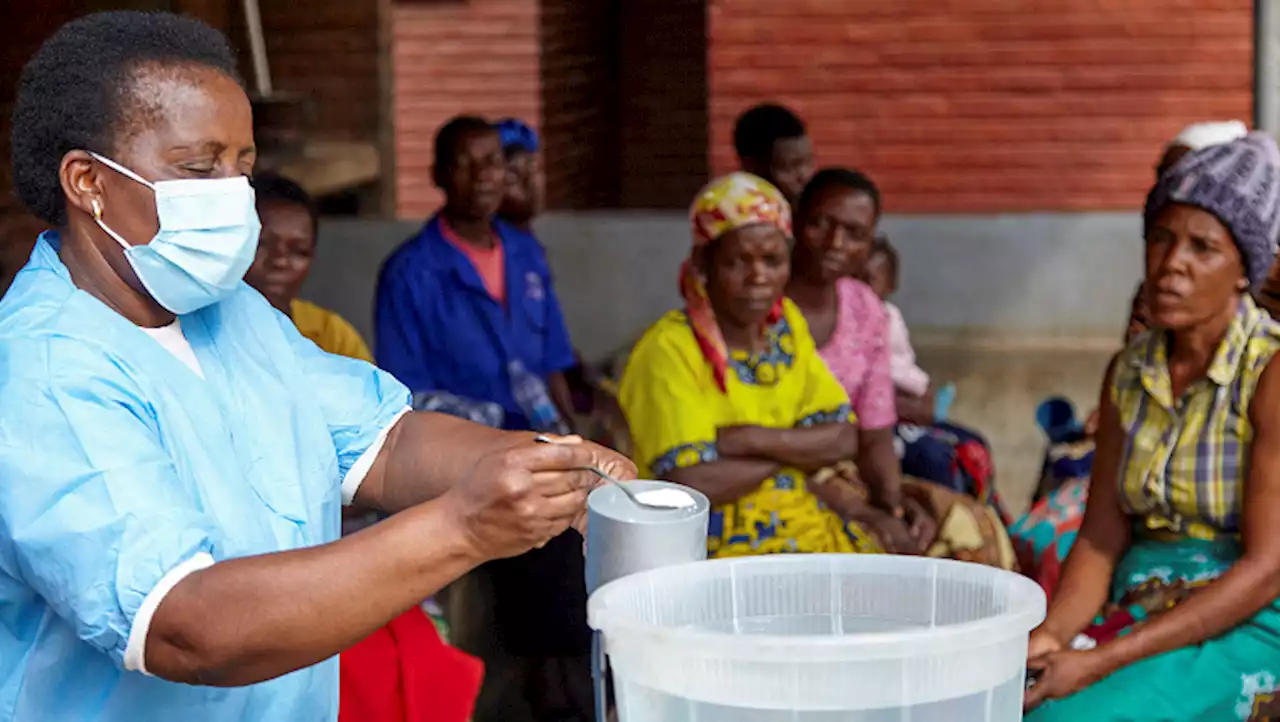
<point>135,652</point>
<point>359,470</point>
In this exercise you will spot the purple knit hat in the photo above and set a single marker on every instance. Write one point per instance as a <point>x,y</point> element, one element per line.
<point>1239,182</point>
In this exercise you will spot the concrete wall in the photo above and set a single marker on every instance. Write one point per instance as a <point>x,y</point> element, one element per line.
<point>1025,280</point>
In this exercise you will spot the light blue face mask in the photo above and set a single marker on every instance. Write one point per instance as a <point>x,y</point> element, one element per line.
<point>207,239</point>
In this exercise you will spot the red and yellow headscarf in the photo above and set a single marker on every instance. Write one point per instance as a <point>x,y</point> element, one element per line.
<point>726,204</point>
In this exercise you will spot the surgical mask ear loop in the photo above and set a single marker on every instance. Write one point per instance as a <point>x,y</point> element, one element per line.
<point>122,170</point>
<point>97,218</point>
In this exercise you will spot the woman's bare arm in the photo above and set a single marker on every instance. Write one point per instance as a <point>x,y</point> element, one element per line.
<point>879,467</point>
<point>242,621</point>
<point>420,460</point>
<point>914,409</point>
<point>726,480</point>
<point>750,454</point>
<point>1103,538</point>
<point>807,448</point>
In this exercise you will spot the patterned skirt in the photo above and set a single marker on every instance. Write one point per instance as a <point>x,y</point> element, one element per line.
<point>1235,676</point>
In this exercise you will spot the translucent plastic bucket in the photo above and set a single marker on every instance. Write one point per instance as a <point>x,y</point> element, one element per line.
<point>819,637</point>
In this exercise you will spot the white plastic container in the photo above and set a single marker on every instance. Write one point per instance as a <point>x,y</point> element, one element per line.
<point>819,638</point>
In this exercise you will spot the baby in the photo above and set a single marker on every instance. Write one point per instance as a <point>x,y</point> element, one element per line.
<point>915,402</point>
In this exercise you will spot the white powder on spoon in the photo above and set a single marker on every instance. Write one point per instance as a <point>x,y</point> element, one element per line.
<point>670,498</point>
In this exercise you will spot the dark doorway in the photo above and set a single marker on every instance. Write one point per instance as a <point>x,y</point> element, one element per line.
<point>624,102</point>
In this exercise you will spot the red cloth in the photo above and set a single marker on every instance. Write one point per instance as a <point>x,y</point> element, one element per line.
<point>405,673</point>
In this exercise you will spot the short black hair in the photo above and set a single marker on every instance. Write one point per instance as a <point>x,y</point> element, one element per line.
<point>762,126</point>
<point>73,93</point>
<point>274,188</point>
<point>846,178</point>
<point>451,135</point>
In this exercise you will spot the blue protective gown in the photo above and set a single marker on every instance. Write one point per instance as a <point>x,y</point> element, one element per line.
<point>118,463</point>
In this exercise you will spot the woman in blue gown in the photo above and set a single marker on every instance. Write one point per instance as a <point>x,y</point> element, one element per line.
<point>174,455</point>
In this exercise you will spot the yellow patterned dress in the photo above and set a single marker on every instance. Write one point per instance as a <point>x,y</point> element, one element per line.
<point>673,406</point>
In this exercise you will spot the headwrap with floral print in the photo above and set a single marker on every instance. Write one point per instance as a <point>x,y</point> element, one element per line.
<point>726,204</point>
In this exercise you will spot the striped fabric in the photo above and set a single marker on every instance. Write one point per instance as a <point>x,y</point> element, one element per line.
<point>1185,460</point>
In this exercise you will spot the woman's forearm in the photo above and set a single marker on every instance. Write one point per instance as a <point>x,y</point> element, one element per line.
<point>1221,605</point>
<point>1083,590</point>
<point>726,480</point>
<point>807,448</point>
<point>1104,535</point>
<point>915,409</point>
<point>424,456</point>
<point>879,467</point>
<point>840,497</point>
<point>247,620</point>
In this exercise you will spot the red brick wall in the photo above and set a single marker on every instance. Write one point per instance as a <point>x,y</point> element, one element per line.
<point>579,103</point>
<point>479,56</point>
<point>985,105</point>
<point>617,90</point>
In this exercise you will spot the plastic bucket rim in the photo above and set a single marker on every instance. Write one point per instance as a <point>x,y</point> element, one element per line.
<point>726,645</point>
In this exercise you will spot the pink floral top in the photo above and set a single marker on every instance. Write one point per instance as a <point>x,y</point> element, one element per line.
<point>858,354</point>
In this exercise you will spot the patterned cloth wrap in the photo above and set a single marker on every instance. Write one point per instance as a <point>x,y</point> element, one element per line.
<point>726,204</point>
<point>967,530</point>
<point>1044,535</point>
<point>952,456</point>
<point>1233,677</point>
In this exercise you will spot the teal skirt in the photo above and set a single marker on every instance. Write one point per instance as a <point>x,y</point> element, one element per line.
<point>1232,677</point>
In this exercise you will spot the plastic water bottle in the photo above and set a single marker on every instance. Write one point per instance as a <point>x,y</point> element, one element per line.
<point>532,397</point>
<point>443,402</point>
<point>942,401</point>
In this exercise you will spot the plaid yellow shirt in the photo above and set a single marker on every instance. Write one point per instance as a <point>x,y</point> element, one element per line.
<point>1185,460</point>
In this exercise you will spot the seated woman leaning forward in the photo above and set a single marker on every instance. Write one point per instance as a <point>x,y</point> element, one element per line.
<point>1167,605</point>
<point>729,395</point>
<point>835,226</point>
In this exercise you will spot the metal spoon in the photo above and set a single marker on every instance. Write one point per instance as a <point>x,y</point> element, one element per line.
<point>622,485</point>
